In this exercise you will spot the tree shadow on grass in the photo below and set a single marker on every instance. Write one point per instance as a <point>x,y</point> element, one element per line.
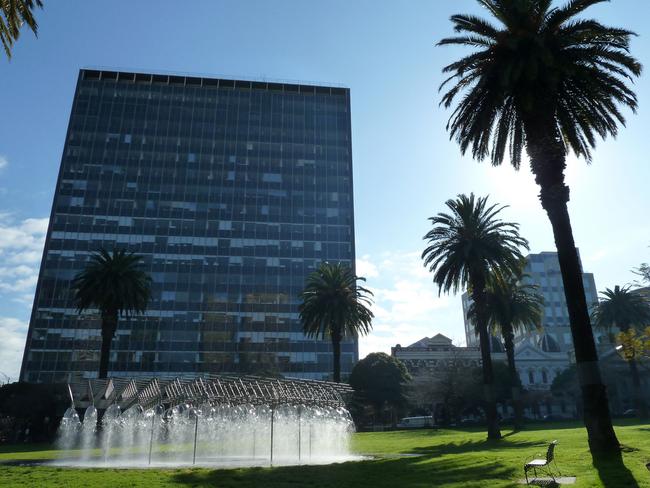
<point>26,447</point>
<point>536,426</point>
<point>613,473</point>
<point>412,472</point>
<point>463,447</point>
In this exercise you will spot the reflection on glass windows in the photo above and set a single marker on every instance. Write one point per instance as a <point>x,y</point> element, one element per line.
<point>232,195</point>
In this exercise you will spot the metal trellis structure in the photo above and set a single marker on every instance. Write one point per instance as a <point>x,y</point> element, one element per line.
<point>212,389</point>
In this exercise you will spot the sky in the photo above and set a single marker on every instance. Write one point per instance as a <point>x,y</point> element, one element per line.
<point>405,166</point>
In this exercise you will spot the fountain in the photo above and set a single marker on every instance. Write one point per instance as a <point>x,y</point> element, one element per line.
<point>210,421</point>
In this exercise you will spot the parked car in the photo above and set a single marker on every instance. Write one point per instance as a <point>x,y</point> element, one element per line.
<point>469,421</point>
<point>415,422</point>
<point>630,413</point>
<point>554,418</point>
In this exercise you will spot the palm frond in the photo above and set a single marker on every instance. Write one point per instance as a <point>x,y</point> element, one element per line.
<point>512,304</point>
<point>557,16</point>
<point>470,239</point>
<point>538,63</point>
<point>333,303</point>
<point>621,308</point>
<point>113,282</point>
<point>13,15</point>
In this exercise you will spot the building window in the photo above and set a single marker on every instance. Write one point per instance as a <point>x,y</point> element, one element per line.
<point>272,178</point>
<point>531,378</point>
<point>544,377</point>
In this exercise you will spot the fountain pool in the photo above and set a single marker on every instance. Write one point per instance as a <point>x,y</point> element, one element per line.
<point>213,421</point>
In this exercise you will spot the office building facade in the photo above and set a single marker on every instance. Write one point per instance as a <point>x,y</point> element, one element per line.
<point>232,191</point>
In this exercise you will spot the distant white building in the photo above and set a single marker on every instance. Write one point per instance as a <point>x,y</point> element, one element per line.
<point>432,354</point>
<point>540,355</point>
<point>538,360</point>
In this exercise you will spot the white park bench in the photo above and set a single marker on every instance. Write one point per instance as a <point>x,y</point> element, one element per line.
<point>543,464</point>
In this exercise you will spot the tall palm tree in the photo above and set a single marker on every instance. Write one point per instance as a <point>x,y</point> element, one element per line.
<point>513,306</point>
<point>624,309</point>
<point>334,305</point>
<point>544,80</point>
<point>115,284</point>
<point>15,13</point>
<point>465,246</point>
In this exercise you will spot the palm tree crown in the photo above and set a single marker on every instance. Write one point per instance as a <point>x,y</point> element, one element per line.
<point>513,304</point>
<point>13,14</point>
<point>471,240</point>
<point>113,283</point>
<point>622,308</point>
<point>538,62</point>
<point>333,303</point>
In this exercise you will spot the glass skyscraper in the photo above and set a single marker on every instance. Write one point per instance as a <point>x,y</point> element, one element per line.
<point>232,191</point>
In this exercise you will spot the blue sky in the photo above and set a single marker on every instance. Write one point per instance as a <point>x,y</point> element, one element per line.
<point>405,167</point>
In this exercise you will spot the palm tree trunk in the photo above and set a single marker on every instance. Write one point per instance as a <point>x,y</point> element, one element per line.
<point>639,403</point>
<point>547,160</point>
<point>109,325</point>
<point>478,295</point>
<point>336,350</point>
<point>509,343</point>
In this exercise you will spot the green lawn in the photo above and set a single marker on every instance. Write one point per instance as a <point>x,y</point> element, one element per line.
<point>450,458</point>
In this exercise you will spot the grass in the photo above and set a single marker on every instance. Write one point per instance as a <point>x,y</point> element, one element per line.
<point>449,458</point>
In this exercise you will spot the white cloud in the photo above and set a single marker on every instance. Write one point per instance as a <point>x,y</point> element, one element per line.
<point>407,306</point>
<point>365,268</point>
<point>26,299</point>
<point>33,256</point>
<point>12,344</point>
<point>21,248</point>
<point>20,270</point>
<point>35,226</point>
<point>4,162</point>
<point>22,284</point>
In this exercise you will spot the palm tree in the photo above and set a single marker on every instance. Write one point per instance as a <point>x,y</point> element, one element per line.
<point>513,306</point>
<point>465,246</point>
<point>334,305</point>
<point>624,309</point>
<point>544,80</point>
<point>15,13</point>
<point>115,284</point>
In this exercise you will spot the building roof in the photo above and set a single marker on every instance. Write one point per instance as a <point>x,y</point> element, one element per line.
<point>644,292</point>
<point>547,344</point>
<point>183,79</point>
<point>437,339</point>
